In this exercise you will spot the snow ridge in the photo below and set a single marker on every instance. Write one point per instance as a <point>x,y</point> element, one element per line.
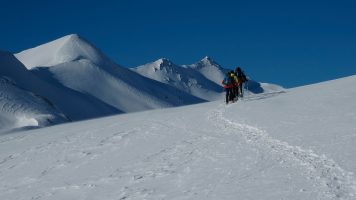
<point>65,49</point>
<point>76,65</point>
<point>185,79</point>
<point>334,181</point>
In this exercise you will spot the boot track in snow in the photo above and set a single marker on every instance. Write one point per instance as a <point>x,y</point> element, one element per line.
<point>323,171</point>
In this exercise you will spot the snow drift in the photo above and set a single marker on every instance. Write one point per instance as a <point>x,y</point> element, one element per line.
<point>20,107</point>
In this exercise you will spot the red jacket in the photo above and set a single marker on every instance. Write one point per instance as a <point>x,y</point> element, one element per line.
<point>227,85</point>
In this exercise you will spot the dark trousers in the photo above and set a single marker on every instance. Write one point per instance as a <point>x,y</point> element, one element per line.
<point>240,90</point>
<point>236,92</point>
<point>229,94</point>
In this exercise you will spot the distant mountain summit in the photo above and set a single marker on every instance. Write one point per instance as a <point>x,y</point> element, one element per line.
<point>65,49</point>
<point>214,72</point>
<point>162,64</point>
<point>202,79</point>
<point>70,79</point>
<point>206,61</point>
<point>186,79</point>
<point>210,69</point>
<point>73,62</point>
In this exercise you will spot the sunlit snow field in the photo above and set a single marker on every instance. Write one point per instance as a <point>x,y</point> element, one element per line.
<point>295,144</point>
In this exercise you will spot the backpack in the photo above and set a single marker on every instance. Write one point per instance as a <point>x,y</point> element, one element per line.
<point>242,77</point>
<point>228,80</point>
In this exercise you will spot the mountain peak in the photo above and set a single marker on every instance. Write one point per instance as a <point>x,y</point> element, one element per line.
<point>205,62</point>
<point>164,62</point>
<point>208,60</point>
<point>65,49</point>
<point>68,37</point>
<point>73,35</point>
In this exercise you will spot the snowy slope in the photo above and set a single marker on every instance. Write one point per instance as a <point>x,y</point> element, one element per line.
<point>269,87</point>
<point>297,144</point>
<point>76,64</point>
<point>75,105</point>
<point>20,108</point>
<point>185,79</point>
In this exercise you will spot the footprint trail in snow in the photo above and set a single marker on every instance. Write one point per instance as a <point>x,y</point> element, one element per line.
<point>328,175</point>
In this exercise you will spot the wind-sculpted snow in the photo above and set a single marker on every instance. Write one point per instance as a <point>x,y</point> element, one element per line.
<point>20,108</point>
<point>68,48</point>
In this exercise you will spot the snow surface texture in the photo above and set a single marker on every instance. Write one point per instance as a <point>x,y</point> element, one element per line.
<point>297,144</point>
<point>20,108</point>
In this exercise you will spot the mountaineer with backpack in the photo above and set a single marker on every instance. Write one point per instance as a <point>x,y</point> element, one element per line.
<point>241,80</point>
<point>229,82</point>
<point>235,88</point>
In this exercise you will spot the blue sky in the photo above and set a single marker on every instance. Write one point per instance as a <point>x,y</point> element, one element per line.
<point>291,43</point>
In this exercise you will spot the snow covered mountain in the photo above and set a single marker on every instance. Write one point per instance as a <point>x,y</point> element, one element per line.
<point>297,144</point>
<point>214,72</point>
<point>185,79</point>
<point>69,79</point>
<point>73,62</point>
<point>74,105</point>
<point>210,69</point>
<point>19,106</point>
<point>202,79</point>
<point>66,49</point>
